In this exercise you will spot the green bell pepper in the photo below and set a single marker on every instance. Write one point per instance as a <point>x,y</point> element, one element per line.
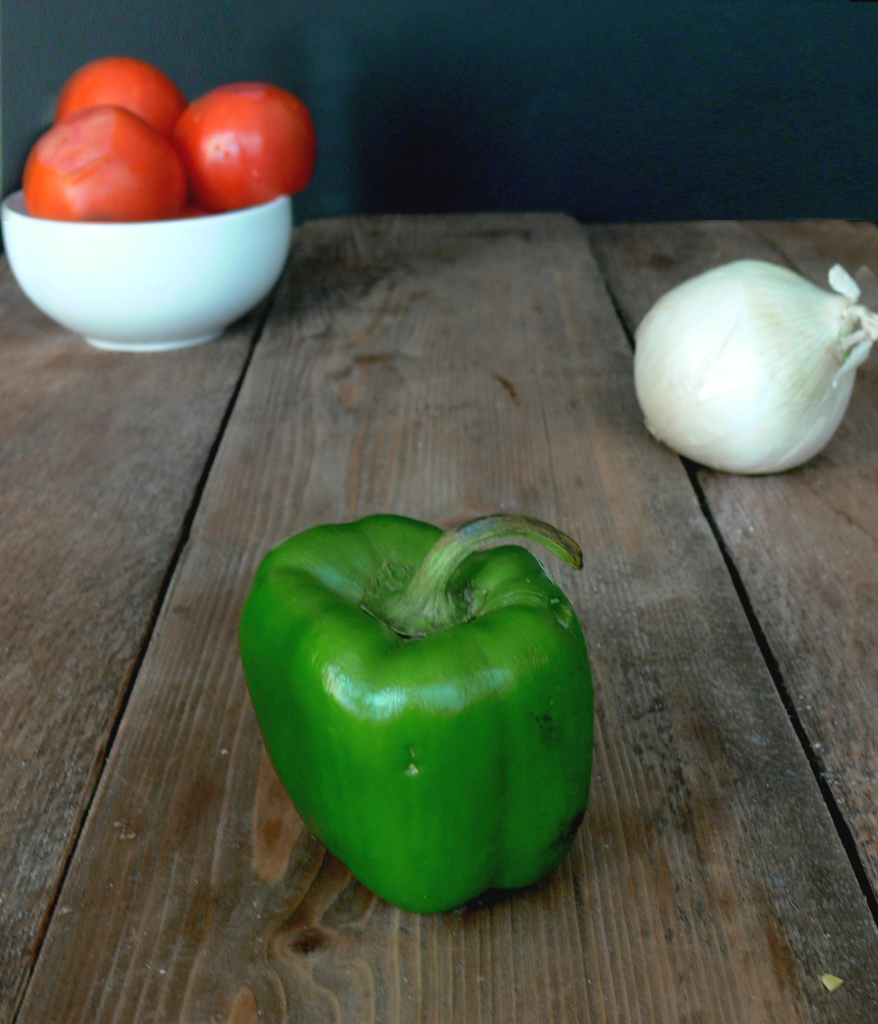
<point>427,706</point>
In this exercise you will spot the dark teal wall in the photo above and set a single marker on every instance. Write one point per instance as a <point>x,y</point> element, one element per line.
<point>611,110</point>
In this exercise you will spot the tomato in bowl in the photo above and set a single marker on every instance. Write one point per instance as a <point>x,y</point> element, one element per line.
<point>124,82</point>
<point>104,164</point>
<point>245,143</point>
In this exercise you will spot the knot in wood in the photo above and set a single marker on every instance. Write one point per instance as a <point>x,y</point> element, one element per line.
<point>306,942</point>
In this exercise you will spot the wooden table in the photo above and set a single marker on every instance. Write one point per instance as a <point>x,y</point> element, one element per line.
<point>151,868</point>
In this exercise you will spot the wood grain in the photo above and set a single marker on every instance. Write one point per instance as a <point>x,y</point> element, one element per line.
<point>442,368</point>
<point>805,542</point>
<point>100,458</point>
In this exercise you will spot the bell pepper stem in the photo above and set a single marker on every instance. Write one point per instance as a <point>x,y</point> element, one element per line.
<point>426,600</point>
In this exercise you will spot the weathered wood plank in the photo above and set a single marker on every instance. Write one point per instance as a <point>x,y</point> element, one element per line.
<point>446,367</point>
<point>100,458</point>
<point>805,542</point>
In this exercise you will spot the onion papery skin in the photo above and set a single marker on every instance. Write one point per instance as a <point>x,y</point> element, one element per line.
<point>738,369</point>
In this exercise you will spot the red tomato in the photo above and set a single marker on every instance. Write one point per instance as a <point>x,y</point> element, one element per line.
<point>104,163</point>
<point>124,82</point>
<point>245,144</point>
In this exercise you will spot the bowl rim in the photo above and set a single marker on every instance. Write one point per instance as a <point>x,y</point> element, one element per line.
<point>13,207</point>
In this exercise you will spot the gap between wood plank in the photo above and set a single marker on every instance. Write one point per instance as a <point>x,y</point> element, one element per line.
<point>774,671</point>
<point>841,826</point>
<point>182,539</point>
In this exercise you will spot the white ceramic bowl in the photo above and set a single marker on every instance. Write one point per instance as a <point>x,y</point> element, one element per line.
<point>149,285</point>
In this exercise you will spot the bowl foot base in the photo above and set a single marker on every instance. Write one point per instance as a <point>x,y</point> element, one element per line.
<point>151,346</point>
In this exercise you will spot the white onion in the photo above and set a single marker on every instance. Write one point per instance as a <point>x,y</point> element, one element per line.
<point>749,367</point>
